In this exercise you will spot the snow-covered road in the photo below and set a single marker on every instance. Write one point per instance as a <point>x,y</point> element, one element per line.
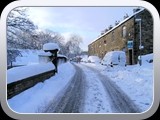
<point>71,98</point>
<point>92,93</point>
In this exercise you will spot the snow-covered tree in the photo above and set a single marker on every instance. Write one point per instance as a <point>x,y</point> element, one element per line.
<point>17,22</point>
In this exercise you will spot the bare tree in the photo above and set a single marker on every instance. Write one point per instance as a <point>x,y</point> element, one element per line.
<point>27,41</point>
<point>73,45</point>
<point>47,36</point>
<point>59,39</point>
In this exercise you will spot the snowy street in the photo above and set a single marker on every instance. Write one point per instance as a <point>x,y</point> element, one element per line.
<point>87,94</point>
<point>84,88</point>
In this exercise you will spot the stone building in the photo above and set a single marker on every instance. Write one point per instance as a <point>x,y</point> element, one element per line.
<point>125,36</point>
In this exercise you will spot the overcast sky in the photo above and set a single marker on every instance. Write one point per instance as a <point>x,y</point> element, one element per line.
<point>88,22</point>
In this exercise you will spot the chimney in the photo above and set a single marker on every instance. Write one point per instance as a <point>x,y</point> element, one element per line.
<point>136,9</point>
<point>106,30</point>
<point>125,16</point>
<point>110,27</point>
<point>102,32</point>
<point>116,23</point>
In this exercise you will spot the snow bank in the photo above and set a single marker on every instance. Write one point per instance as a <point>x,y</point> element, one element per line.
<point>94,59</point>
<point>147,60</point>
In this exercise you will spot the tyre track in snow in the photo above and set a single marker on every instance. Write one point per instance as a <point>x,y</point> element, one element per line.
<point>71,99</point>
<point>84,82</point>
<point>95,95</point>
<point>120,102</point>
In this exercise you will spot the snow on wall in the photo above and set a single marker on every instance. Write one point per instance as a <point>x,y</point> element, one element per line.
<point>42,53</point>
<point>18,73</point>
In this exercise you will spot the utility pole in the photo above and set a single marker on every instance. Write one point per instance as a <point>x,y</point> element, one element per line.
<point>140,44</point>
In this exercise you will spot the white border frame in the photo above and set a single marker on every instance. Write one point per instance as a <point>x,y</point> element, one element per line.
<point>3,61</point>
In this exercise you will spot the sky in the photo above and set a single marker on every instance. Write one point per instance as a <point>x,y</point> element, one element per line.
<point>88,22</point>
<point>135,80</point>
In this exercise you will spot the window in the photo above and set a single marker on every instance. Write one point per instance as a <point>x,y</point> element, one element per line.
<point>105,42</point>
<point>124,32</point>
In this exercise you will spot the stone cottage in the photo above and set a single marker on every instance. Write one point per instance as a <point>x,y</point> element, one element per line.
<point>127,36</point>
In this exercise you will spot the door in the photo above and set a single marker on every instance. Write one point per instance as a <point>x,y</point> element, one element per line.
<point>130,57</point>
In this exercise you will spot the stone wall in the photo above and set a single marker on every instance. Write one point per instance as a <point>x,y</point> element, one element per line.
<point>19,86</point>
<point>23,84</point>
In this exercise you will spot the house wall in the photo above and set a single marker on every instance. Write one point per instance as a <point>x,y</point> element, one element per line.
<point>113,40</point>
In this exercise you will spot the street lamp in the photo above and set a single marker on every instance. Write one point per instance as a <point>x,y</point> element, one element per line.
<point>140,46</point>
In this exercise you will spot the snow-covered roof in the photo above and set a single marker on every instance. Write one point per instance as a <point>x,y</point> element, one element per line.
<point>118,24</point>
<point>50,46</point>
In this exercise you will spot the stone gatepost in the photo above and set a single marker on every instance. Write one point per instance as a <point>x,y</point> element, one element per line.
<point>53,48</point>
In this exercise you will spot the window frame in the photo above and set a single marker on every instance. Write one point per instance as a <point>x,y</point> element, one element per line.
<point>124,31</point>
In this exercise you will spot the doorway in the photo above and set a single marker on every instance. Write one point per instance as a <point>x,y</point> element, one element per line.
<point>130,57</point>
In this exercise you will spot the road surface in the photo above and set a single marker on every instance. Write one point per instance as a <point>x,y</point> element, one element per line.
<point>89,91</point>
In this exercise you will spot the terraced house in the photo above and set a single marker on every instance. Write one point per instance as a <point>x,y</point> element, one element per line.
<point>134,35</point>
